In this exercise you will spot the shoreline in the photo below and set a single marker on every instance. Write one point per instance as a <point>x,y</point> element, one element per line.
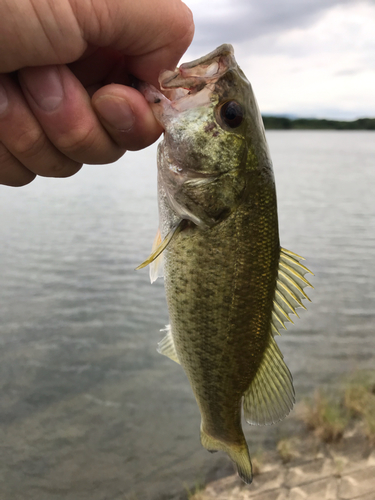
<point>330,457</point>
<point>307,468</point>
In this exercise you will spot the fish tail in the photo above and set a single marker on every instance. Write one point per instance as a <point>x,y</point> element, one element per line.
<point>239,454</point>
<point>241,457</point>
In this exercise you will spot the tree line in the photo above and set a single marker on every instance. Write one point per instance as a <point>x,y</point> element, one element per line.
<point>283,123</point>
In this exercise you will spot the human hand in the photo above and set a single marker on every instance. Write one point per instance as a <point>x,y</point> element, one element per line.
<point>63,70</point>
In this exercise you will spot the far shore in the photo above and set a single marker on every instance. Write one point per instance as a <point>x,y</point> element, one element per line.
<point>285,123</point>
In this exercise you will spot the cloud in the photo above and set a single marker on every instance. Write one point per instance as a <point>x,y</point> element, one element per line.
<point>238,21</point>
<point>312,57</point>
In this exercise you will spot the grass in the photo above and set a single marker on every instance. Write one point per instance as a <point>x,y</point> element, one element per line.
<point>286,449</point>
<point>328,415</point>
<point>257,461</point>
<point>359,398</point>
<point>325,416</point>
<point>370,427</point>
<point>196,491</point>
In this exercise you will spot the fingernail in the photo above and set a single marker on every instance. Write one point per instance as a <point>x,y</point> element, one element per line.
<point>45,86</point>
<point>3,100</point>
<point>116,112</point>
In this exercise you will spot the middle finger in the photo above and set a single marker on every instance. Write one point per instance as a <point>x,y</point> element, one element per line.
<point>24,138</point>
<point>63,108</point>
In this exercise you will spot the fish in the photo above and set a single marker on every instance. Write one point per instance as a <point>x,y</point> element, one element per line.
<point>230,286</point>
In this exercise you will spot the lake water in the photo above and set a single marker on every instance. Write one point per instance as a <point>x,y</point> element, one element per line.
<point>88,408</point>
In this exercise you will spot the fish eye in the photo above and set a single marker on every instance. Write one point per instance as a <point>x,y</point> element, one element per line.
<point>231,114</point>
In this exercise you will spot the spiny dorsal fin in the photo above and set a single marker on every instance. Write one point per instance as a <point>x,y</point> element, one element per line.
<point>166,345</point>
<point>289,289</point>
<point>270,396</point>
<point>156,266</point>
<point>163,245</point>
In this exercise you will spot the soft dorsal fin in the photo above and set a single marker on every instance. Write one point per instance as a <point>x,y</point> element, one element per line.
<point>166,345</point>
<point>156,266</point>
<point>289,289</point>
<point>163,245</point>
<point>270,396</point>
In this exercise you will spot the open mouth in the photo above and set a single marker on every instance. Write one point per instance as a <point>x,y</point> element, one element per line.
<point>191,85</point>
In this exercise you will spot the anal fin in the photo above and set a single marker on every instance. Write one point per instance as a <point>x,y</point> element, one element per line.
<point>270,396</point>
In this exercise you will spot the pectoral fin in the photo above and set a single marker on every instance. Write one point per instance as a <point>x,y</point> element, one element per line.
<point>163,245</point>
<point>156,266</point>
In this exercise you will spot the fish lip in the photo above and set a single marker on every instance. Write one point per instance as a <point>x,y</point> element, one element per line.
<point>191,77</point>
<point>224,50</point>
<point>192,85</point>
<point>197,73</point>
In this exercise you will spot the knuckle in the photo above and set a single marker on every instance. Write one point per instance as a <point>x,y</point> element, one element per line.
<point>187,29</point>
<point>64,169</point>
<point>77,141</point>
<point>29,144</point>
<point>34,150</point>
<point>5,156</point>
<point>12,173</point>
<point>89,146</point>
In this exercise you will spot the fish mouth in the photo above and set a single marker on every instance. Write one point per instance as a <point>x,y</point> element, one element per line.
<point>190,85</point>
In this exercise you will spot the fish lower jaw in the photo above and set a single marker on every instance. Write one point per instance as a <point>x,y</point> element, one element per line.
<point>150,93</point>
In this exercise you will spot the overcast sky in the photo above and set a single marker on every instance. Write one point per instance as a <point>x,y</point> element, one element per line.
<point>303,57</point>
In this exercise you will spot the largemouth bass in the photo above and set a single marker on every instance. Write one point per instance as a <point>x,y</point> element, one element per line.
<point>230,287</point>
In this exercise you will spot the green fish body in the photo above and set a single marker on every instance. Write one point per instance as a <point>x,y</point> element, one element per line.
<point>229,285</point>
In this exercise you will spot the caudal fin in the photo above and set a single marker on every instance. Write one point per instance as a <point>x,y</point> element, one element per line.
<point>238,453</point>
<point>241,457</point>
